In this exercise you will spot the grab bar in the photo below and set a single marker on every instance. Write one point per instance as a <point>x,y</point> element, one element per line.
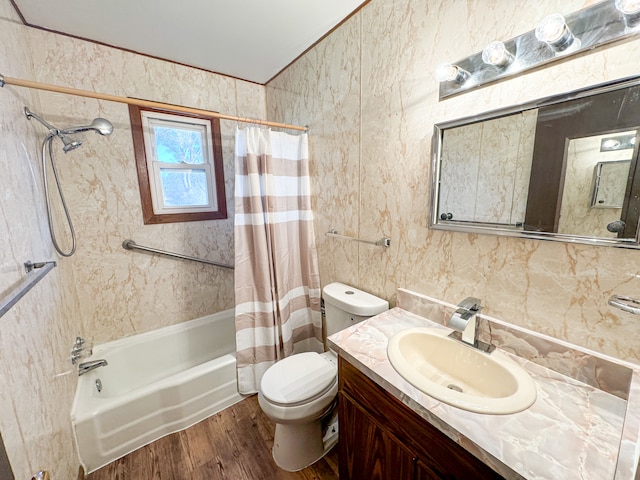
<point>27,284</point>
<point>131,245</point>
<point>622,303</point>
<point>383,242</point>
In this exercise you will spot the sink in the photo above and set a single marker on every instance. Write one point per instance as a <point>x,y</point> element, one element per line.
<point>460,375</point>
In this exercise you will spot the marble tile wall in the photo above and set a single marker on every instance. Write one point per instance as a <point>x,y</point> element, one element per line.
<point>368,94</point>
<point>36,385</point>
<point>103,292</point>
<point>122,292</point>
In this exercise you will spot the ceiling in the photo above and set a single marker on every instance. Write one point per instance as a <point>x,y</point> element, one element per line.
<point>249,39</point>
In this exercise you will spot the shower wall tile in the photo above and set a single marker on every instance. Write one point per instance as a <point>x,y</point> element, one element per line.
<point>327,99</point>
<point>103,292</point>
<point>553,288</point>
<point>36,386</point>
<point>126,292</point>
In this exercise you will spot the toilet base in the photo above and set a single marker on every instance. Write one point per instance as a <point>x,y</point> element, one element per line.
<point>296,446</point>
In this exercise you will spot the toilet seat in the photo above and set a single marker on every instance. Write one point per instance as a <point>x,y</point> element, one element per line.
<point>298,379</point>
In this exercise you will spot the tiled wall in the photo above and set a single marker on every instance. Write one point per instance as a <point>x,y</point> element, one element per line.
<point>368,94</point>
<point>123,292</point>
<point>103,292</point>
<point>36,389</point>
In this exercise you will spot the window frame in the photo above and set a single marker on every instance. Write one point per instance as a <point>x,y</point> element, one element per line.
<point>147,175</point>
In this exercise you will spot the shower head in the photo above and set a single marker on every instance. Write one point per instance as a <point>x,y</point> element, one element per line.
<point>100,125</point>
<point>69,144</point>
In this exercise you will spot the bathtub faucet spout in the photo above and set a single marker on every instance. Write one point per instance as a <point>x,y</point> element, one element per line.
<point>88,366</point>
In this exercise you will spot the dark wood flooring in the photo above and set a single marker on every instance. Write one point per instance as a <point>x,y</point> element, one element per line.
<point>234,444</point>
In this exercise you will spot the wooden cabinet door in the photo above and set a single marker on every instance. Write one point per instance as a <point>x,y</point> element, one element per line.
<point>424,472</point>
<point>372,420</point>
<point>367,452</point>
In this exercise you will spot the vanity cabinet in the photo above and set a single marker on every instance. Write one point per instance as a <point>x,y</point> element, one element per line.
<point>383,439</point>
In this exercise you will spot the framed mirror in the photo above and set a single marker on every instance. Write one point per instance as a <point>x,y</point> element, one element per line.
<point>563,168</point>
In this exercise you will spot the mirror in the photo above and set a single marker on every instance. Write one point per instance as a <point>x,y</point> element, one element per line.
<point>562,168</point>
<point>609,182</point>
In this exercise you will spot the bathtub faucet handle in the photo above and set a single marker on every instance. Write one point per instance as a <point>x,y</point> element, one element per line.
<point>81,349</point>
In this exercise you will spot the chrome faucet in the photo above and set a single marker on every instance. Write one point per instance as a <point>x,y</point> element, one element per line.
<point>464,323</point>
<point>80,350</point>
<point>86,367</point>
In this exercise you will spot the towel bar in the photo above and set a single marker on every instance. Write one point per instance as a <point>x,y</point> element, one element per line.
<point>383,242</point>
<point>625,303</point>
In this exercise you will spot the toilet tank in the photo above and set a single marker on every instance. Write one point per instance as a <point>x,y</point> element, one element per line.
<point>345,306</point>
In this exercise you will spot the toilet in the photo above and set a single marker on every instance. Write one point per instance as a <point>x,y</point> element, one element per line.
<point>298,393</point>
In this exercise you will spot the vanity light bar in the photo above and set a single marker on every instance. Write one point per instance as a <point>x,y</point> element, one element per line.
<point>554,37</point>
<point>620,142</point>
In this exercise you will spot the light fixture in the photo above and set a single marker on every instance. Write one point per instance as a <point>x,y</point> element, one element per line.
<point>496,54</point>
<point>609,144</point>
<point>555,38</point>
<point>450,73</point>
<point>553,30</point>
<point>620,142</point>
<point>630,10</point>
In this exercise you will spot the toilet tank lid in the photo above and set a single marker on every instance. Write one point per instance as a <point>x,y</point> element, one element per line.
<point>353,301</point>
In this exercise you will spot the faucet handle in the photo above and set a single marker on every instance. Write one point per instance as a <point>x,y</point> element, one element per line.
<point>471,303</point>
<point>80,349</point>
<point>82,344</point>
<point>462,319</point>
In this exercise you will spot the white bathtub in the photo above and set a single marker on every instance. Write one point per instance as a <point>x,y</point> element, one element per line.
<point>156,383</point>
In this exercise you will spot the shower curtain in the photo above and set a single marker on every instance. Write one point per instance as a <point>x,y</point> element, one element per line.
<point>277,285</point>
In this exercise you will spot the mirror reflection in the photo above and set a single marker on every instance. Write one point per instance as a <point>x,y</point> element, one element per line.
<point>562,168</point>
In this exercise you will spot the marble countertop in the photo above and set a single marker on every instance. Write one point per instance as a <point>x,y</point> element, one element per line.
<point>573,430</point>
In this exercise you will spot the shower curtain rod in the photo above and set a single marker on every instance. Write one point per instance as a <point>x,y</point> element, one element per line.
<point>141,103</point>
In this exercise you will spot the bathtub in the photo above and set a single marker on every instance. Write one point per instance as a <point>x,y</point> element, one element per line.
<point>156,383</point>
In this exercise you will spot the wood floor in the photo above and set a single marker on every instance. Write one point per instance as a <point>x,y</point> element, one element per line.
<point>235,444</point>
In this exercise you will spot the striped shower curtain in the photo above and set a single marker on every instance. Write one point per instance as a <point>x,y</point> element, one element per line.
<point>277,285</point>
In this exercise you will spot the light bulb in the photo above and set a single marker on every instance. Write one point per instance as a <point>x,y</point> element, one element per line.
<point>630,10</point>
<point>450,73</point>
<point>611,144</point>
<point>497,54</point>
<point>553,30</point>
<point>628,6</point>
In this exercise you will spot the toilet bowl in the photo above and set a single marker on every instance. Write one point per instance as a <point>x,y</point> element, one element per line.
<point>298,393</point>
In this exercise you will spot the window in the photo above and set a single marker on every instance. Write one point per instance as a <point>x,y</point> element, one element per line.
<point>179,162</point>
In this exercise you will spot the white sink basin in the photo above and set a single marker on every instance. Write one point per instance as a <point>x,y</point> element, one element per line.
<point>459,374</point>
